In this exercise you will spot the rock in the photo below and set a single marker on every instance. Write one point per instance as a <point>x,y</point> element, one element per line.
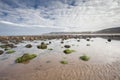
<point>8,46</point>
<point>67,46</point>
<point>87,39</point>
<point>49,42</point>
<point>62,42</point>
<point>50,49</point>
<point>10,51</point>
<point>109,40</point>
<point>4,41</point>
<point>28,46</point>
<point>7,49</point>
<point>85,58</point>
<point>42,43</point>
<point>26,57</point>
<point>1,52</point>
<point>42,46</point>
<point>68,51</point>
<point>63,62</point>
<point>11,45</point>
<point>78,40</point>
<point>88,45</point>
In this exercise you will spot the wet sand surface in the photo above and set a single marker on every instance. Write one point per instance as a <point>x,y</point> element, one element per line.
<point>104,63</point>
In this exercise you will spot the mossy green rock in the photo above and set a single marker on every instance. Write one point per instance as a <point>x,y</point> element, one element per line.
<point>50,49</point>
<point>63,62</point>
<point>68,51</point>
<point>26,57</point>
<point>85,58</point>
<point>10,51</point>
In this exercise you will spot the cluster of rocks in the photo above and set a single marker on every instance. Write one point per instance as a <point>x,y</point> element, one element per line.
<point>8,46</point>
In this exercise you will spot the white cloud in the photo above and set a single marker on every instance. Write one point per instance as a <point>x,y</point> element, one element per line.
<point>88,15</point>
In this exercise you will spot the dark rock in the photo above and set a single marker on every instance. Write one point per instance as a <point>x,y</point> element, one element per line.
<point>67,46</point>
<point>109,40</point>
<point>8,46</point>
<point>42,43</point>
<point>6,49</point>
<point>28,46</point>
<point>88,39</point>
<point>49,42</point>
<point>4,41</point>
<point>88,45</point>
<point>1,52</point>
<point>62,42</point>
<point>78,40</point>
<point>11,45</point>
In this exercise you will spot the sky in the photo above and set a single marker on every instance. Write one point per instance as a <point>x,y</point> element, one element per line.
<point>44,16</point>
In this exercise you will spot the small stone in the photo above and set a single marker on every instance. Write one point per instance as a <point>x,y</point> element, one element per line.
<point>28,46</point>
<point>78,40</point>
<point>67,46</point>
<point>109,40</point>
<point>88,39</point>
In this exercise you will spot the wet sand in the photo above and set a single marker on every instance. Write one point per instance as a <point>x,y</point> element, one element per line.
<point>104,63</point>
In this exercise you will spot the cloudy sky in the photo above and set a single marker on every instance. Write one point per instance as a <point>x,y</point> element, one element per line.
<point>43,16</point>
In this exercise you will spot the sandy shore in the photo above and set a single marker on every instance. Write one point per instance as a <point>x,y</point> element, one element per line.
<point>104,63</point>
<point>81,71</point>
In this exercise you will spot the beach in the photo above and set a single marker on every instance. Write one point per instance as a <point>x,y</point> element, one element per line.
<point>104,62</point>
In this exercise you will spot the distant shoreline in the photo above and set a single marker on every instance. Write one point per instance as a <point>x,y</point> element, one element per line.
<point>57,36</point>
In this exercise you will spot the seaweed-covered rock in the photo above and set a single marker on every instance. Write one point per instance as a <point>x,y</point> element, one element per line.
<point>50,49</point>
<point>10,51</point>
<point>68,51</point>
<point>67,46</point>
<point>1,52</point>
<point>63,62</point>
<point>26,57</point>
<point>85,58</point>
<point>42,46</point>
<point>28,46</point>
